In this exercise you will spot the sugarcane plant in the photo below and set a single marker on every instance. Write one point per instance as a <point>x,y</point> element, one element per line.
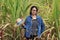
<point>56,13</point>
<point>13,9</point>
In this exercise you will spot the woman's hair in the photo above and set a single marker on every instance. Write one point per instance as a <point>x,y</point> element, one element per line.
<point>32,8</point>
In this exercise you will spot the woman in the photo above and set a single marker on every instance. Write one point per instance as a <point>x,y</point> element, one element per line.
<point>33,24</point>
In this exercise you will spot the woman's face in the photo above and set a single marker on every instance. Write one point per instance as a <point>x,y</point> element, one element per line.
<point>34,11</point>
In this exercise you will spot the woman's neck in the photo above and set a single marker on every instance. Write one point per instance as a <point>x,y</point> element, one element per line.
<point>33,16</point>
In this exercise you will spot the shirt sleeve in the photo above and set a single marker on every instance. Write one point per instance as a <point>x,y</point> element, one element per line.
<point>41,27</point>
<point>26,26</point>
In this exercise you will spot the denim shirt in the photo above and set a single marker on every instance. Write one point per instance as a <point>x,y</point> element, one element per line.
<point>28,25</point>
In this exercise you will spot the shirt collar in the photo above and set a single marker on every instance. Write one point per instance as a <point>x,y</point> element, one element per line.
<point>36,16</point>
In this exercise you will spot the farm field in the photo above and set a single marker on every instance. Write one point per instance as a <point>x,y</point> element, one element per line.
<point>10,10</point>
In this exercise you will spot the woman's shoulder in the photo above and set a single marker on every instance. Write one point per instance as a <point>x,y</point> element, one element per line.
<point>38,16</point>
<point>28,17</point>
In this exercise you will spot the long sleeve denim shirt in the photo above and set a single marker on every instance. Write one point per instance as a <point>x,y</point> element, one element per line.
<point>28,25</point>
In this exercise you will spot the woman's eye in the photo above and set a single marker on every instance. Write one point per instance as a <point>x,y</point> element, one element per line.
<point>34,10</point>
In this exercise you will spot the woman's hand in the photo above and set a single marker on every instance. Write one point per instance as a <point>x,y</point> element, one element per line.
<point>23,24</point>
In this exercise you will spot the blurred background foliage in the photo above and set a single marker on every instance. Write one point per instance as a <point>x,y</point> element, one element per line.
<point>10,10</point>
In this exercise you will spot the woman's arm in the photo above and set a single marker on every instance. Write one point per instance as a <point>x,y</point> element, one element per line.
<point>26,23</point>
<point>41,27</point>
